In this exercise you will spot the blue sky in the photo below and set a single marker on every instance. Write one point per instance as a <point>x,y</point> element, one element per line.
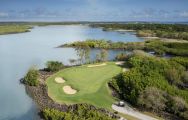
<point>93,10</point>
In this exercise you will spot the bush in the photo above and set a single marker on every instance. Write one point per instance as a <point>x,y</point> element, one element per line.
<point>54,66</point>
<point>31,77</point>
<point>177,105</point>
<point>121,57</point>
<point>185,77</point>
<point>172,76</point>
<point>147,72</point>
<point>81,112</point>
<point>152,98</point>
<point>181,60</point>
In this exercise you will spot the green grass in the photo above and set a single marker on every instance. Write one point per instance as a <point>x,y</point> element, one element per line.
<point>91,84</point>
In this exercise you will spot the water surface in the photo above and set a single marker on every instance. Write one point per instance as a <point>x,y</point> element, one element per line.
<point>18,52</point>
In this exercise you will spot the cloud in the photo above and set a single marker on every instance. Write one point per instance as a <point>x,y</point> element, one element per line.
<point>153,13</point>
<point>3,14</point>
<point>145,13</point>
<point>184,14</point>
<point>37,13</point>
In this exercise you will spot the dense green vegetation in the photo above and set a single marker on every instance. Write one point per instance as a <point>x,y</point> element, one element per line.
<point>121,57</point>
<point>82,112</point>
<point>153,83</point>
<point>175,31</point>
<point>13,28</point>
<point>54,66</point>
<point>104,44</point>
<point>31,77</point>
<point>159,47</point>
<point>181,60</point>
<point>172,48</point>
<point>90,82</point>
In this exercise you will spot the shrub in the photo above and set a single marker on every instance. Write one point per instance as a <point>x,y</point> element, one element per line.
<point>172,76</point>
<point>31,77</point>
<point>181,60</point>
<point>121,57</point>
<point>54,66</point>
<point>177,106</point>
<point>148,72</point>
<point>82,112</point>
<point>185,77</point>
<point>152,98</point>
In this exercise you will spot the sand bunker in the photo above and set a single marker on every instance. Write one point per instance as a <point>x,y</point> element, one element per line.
<point>103,64</point>
<point>59,80</point>
<point>68,90</point>
<point>120,63</point>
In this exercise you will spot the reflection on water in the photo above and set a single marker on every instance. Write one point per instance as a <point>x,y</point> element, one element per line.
<point>18,52</point>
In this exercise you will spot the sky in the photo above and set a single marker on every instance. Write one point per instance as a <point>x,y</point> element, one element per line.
<point>94,10</point>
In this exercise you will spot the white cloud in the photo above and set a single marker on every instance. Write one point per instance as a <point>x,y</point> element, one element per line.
<point>4,14</point>
<point>184,14</point>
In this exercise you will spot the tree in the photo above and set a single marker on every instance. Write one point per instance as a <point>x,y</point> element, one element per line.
<point>83,54</point>
<point>104,55</point>
<point>31,77</point>
<point>153,99</point>
<point>121,57</point>
<point>72,61</point>
<point>87,54</point>
<point>80,54</point>
<point>54,66</point>
<point>98,57</point>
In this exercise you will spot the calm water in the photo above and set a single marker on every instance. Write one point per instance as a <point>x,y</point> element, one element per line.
<point>18,52</point>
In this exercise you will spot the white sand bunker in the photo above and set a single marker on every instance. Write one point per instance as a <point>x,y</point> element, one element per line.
<point>103,64</point>
<point>120,63</point>
<point>59,80</point>
<point>68,90</point>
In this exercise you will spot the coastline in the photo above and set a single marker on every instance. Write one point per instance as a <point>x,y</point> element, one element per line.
<point>40,95</point>
<point>9,33</point>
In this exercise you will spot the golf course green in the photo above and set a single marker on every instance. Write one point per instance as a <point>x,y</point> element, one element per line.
<point>89,82</point>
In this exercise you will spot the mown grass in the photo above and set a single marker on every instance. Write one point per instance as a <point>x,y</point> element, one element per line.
<point>91,84</point>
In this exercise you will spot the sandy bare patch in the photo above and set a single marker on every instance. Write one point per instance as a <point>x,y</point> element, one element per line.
<point>59,80</point>
<point>68,90</point>
<point>103,64</point>
<point>125,69</point>
<point>173,40</point>
<point>120,63</point>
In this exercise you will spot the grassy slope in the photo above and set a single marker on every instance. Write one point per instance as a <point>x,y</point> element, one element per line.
<point>91,84</point>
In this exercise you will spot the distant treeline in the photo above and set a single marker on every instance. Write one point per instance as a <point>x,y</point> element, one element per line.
<point>105,44</point>
<point>159,47</point>
<point>175,31</point>
<point>13,28</point>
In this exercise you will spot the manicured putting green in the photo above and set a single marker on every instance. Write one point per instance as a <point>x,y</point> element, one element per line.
<point>90,83</point>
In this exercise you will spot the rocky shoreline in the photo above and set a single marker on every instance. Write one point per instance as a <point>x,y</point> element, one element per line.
<point>40,96</point>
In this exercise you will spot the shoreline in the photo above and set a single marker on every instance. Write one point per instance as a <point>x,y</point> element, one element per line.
<point>10,33</point>
<point>40,96</point>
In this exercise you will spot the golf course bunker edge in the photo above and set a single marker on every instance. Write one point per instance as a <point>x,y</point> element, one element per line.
<point>59,80</point>
<point>69,90</point>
